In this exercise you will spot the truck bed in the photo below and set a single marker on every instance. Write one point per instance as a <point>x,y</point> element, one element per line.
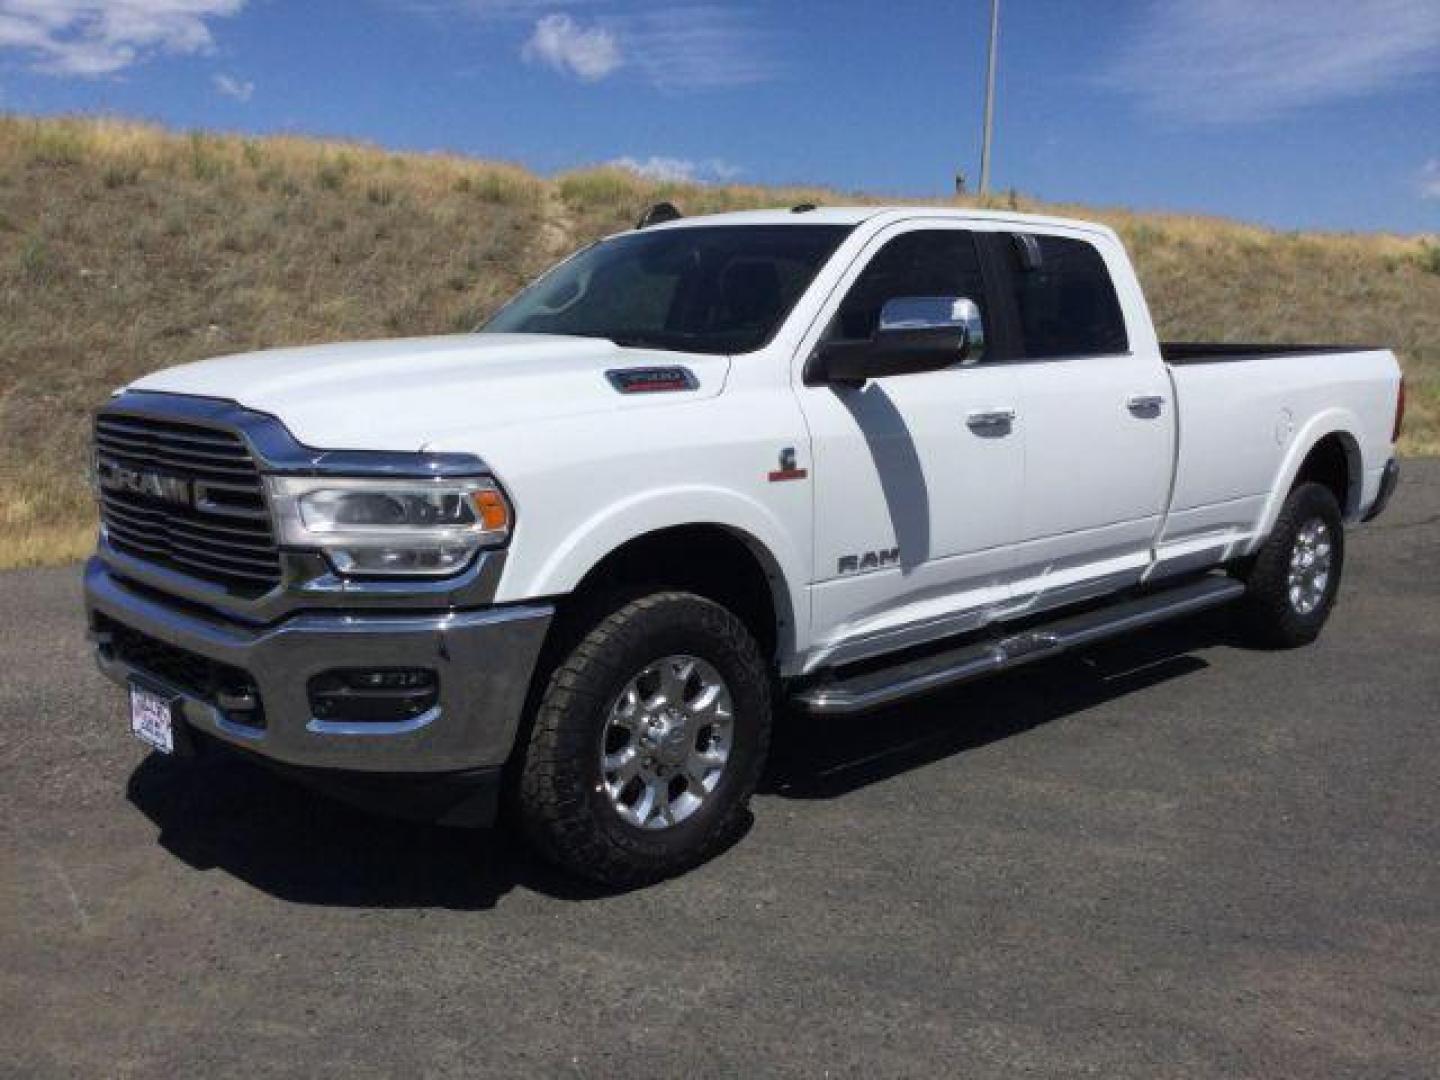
<point>1221,352</point>
<point>1241,427</point>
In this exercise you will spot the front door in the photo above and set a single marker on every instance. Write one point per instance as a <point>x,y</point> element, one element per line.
<point>918,477</point>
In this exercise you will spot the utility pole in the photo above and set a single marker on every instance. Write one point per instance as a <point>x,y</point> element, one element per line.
<point>989,99</point>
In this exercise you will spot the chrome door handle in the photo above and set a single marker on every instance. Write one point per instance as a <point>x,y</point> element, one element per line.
<point>990,421</point>
<point>1148,405</point>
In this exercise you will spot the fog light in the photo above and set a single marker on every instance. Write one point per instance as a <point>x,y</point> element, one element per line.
<point>373,695</point>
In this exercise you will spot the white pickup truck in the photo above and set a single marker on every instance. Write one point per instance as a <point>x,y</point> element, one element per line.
<point>571,566</point>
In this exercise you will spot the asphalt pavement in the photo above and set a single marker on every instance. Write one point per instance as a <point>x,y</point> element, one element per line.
<point>1168,856</point>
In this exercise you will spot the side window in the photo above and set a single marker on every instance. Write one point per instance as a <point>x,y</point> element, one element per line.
<point>936,262</point>
<point>1064,298</point>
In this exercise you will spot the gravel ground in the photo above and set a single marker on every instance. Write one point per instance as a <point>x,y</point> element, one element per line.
<point>1168,856</point>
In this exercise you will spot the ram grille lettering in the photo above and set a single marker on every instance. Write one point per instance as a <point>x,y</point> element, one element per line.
<point>158,486</point>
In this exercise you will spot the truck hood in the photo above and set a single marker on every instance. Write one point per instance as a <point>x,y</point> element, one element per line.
<point>413,393</point>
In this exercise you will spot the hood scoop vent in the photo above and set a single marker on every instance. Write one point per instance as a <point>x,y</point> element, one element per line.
<point>652,380</point>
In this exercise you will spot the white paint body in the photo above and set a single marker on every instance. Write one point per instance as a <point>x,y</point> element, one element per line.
<point>1081,498</point>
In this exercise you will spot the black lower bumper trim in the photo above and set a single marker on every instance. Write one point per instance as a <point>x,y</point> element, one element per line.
<point>1387,488</point>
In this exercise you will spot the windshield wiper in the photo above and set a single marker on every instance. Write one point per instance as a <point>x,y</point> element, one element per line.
<point>650,339</point>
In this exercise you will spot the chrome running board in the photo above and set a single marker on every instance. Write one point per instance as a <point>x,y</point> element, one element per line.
<point>873,689</point>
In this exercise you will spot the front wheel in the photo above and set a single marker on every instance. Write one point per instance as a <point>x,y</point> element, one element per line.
<point>648,742</point>
<point>1296,574</point>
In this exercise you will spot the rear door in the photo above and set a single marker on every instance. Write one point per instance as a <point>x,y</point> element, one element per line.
<point>917,485</point>
<point>1097,410</point>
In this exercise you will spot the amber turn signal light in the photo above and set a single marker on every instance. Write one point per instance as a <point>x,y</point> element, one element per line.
<point>490,508</point>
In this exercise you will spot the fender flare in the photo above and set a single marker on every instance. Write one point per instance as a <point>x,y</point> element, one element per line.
<point>1337,421</point>
<point>655,510</point>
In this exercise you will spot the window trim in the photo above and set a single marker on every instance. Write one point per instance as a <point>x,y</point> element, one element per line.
<point>996,242</point>
<point>1001,344</point>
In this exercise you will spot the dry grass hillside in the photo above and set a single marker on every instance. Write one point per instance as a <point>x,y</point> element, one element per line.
<point>126,248</point>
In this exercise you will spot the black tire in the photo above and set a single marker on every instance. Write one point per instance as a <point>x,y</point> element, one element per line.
<point>563,805</point>
<point>1274,618</point>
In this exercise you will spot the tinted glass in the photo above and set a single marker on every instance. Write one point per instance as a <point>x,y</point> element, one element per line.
<point>1065,299</point>
<point>939,262</point>
<point>709,289</point>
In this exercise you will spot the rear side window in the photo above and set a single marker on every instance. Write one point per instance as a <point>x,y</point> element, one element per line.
<point>930,262</point>
<point>1064,298</point>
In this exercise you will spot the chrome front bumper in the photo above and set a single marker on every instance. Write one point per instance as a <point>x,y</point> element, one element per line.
<point>484,660</point>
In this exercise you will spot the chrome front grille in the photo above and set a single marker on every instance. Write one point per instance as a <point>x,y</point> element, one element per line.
<point>185,497</point>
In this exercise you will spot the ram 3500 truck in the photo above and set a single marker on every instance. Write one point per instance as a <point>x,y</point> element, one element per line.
<point>573,565</point>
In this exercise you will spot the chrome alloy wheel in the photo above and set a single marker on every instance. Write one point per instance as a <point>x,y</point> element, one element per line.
<point>666,742</point>
<point>1309,573</point>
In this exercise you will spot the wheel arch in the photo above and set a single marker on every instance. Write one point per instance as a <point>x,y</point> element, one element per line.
<point>1327,451</point>
<point>692,533</point>
<point>1334,461</point>
<point>711,559</point>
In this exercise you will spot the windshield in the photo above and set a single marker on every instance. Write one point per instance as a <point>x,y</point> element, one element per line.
<point>705,289</point>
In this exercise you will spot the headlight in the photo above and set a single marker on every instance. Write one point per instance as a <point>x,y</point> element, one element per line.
<point>391,526</point>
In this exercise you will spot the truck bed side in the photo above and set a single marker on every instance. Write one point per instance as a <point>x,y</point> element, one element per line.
<point>1248,418</point>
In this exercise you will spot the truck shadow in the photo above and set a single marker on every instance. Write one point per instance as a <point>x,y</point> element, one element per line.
<point>225,813</point>
<point>898,465</point>
<point>827,757</point>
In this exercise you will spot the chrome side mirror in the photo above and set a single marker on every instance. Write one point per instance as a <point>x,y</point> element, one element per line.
<point>915,334</point>
<point>911,321</point>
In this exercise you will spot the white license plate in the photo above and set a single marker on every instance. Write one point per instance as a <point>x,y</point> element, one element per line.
<point>152,718</point>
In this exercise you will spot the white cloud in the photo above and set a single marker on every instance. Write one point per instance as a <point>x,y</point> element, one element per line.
<point>674,170</point>
<point>231,87</point>
<point>99,37</point>
<point>698,47</point>
<point>1226,61</point>
<point>563,44</point>
<point>676,45</point>
<point>1430,179</point>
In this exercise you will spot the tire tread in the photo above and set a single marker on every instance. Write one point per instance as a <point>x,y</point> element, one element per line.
<point>1270,619</point>
<point>555,808</point>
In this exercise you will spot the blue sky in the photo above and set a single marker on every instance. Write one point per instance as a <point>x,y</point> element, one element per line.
<point>1295,113</point>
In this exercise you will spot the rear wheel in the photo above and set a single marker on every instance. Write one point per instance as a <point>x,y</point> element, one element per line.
<point>1291,587</point>
<point>648,742</point>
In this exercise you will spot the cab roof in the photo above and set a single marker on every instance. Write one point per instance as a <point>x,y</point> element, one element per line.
<point>854,215</point>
